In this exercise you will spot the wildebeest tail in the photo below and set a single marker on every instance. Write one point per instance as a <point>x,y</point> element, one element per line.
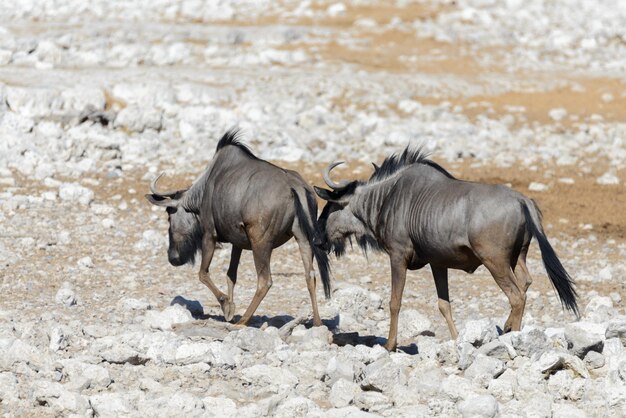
<point>561,280</point>
<point>310,226</point>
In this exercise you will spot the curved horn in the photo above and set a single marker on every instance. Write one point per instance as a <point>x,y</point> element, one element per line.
<point>154,190</point>
<point>328,180</point>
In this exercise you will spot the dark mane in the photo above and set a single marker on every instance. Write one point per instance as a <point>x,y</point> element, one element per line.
<point>231,137</point>
<point>409,156</point>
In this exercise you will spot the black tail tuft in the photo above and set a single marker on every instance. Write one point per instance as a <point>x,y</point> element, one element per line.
<point>561,280</point>
<point>310,227</point>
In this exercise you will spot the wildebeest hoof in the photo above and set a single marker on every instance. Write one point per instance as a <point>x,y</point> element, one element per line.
<point>390,347</point>
<point>228,308</point>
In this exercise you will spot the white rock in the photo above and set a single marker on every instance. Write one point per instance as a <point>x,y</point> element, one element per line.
<point>505,386</point>
<point>529,342</point>
<point>567,410</point>
<point>75,193</point>
<point>583,337</point>
<point>298,406</point>
<point>13,350</point>
<point>59,399</point>
<point>96,375</point>
<point>617,329</point>
<point>85,262</point>
<point>497,349</point>
<point>383,375</point>
<point>110,404</point>
<point>594,360</point>
<point>557,114</point>
<point>336,9</point>
<point>255,340</point>
<point>343,392</point>
<point>599,309</point>
<point>311,339</point>
<point>412,323</point>
<point>479,406</point>
<point>478,332</point>
<point>373,401</point>
<point>537,187</point>
<point>551,361</point>
<point>426,383</point>
<point>58,339</point>
<point>605,274</point>
<point>65,295</point>
<point>225,406</point>
<point>608,178</point>
<point>483,365</point>
<point>170,316</point>
<point>273,379</point>
<point>457,388</point>
<point>137,119</point>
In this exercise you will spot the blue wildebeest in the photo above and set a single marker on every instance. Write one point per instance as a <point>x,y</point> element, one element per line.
<point>252,204</point>
<point>419,214</point>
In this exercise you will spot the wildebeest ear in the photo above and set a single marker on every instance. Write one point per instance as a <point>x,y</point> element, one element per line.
<point>324,194</point>
<point>157,200</point>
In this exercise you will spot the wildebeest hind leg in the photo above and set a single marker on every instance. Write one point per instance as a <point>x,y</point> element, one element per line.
<point>505,278</point>
<point>309,273</point>
<point>440,274</point>
<point>523,276</point>
<point>262,255</point>
<point>208,247</point>
<point>398,278</point>
<point>235,256</point>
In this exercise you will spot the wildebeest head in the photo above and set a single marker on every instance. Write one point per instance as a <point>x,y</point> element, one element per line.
<point>184,231</point>
<point>338,222</point>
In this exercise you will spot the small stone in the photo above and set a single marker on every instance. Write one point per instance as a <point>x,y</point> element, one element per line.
<point>537,187</point>
<point>483,365</point>
<point>594,360</point>
<point>75,193</point>
<point>478,332</point>
<point>566,410</point>
<point>605,274</point>
<point>557,114</point>
<point>342,393</point>
<point>479,406</point>
<point>617,329</point>
<point>504,387</point>
<point>583,337</point>
<point>527,343</point>
<point>608,178</point>
<point>551,361</point>
<point>336,9</point>
<point>382,375</point>
<point>497,349</point>
<point>599,309</point>
<point>413,324</point>
<point>65,295</point>
<point>255,340</point>
<point>58,339</point>
<point>170,316</point>
<point>85,262</point>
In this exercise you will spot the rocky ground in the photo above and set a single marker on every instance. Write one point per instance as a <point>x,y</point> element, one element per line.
<point>98,97</point>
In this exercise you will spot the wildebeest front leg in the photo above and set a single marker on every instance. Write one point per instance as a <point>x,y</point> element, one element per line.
<point>440,274</point>
<point>262,256</point>
<point>208,248</point>
<point>307,259</point>
<point>398,278</point>
<point>235,256</point>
